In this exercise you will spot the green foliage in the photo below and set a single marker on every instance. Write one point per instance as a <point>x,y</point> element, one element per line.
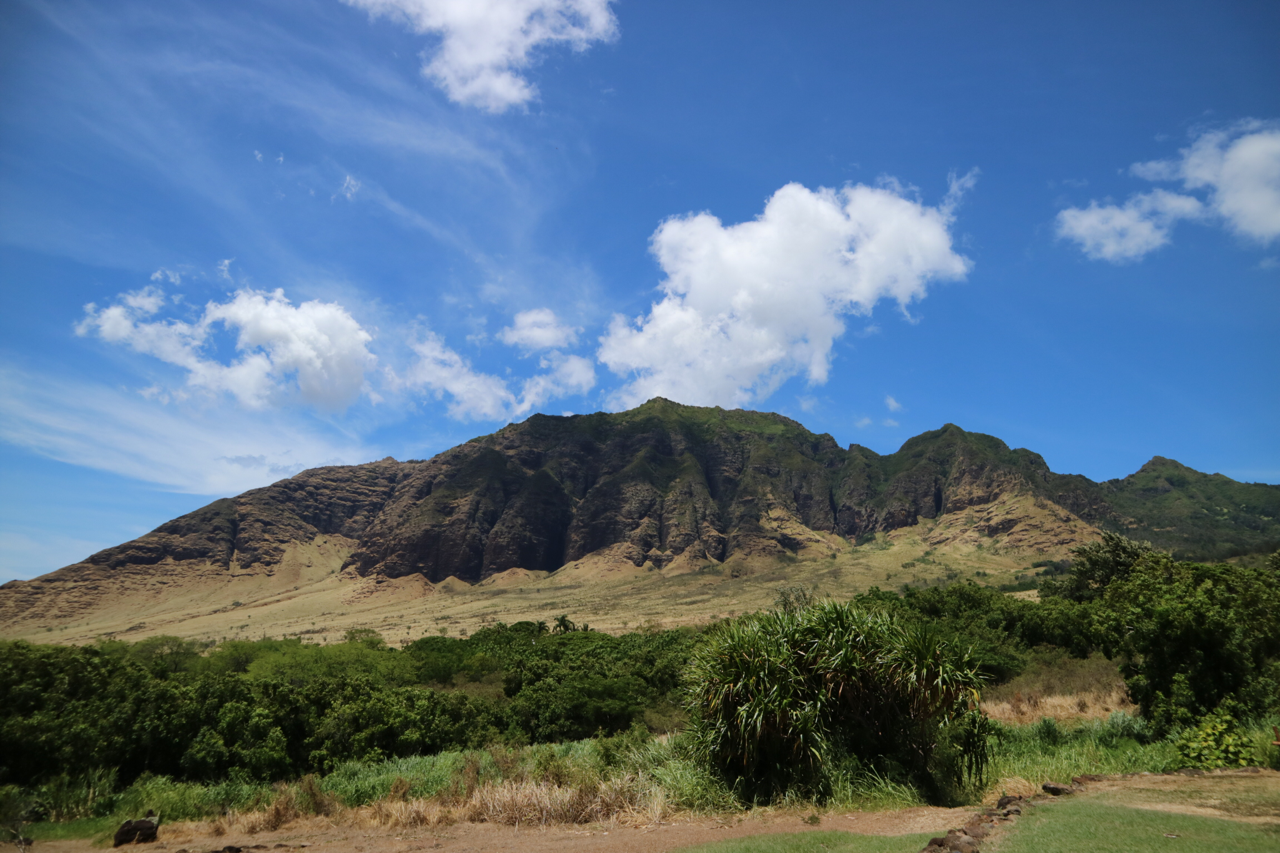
<point>1046,750</point>
<point>69,797</point>
<point>1193,639</point>
<point>1095,566</point>
<point>792,599</point>
<point>278,709</point>
<point>998,630</point>
<point>779,700</point>
<point>16,808</point>
<point>1216,742</point>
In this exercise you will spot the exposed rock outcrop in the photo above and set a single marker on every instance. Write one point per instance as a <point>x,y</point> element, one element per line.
<point>661,485</point>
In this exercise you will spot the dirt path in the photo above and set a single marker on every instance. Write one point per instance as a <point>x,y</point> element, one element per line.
<point>1252,797</point>
<point>321,835</point>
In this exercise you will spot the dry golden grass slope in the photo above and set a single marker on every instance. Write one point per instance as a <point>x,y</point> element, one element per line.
<point>307,594</point>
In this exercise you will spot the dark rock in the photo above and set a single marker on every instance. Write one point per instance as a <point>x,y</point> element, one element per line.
<point>1056,790</point>
<point>961,843</point>
<point>1006,801</point>
<point>135,832</point>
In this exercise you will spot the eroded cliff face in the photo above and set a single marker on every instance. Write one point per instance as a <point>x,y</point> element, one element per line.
<point>656,484</point>
<point>255,528</point>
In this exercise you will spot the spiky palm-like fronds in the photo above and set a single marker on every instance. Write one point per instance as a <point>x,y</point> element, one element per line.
<point>778,698</point>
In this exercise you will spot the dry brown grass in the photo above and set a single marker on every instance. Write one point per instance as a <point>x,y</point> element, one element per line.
<point>307,594</point>
<point>627,800</point>
<point>1067,709</point>
<point>402,814</point>
<point>282,810</point>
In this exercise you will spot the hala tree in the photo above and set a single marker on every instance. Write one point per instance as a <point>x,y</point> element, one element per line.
<point>782,701</point>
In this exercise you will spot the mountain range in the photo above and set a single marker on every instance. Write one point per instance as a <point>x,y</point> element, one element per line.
<point>661,488</point>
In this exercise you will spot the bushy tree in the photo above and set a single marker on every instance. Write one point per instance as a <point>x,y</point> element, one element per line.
<point>1095,566</point>
<point>1194,639</point>
<point>779,700</point>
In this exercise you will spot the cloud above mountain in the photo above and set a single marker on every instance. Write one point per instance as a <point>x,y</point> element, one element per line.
<point>315,350</point>
<point>747,306</point>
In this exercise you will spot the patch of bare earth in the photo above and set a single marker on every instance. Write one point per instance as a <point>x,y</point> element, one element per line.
<point>1247,796</point>
<point>613,836</point>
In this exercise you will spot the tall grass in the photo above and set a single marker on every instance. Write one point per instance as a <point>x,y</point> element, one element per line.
<point>1024,757</point>
<point>627,778</point>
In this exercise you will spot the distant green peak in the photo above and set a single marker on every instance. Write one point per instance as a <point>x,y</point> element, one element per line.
<point>1160,463</point>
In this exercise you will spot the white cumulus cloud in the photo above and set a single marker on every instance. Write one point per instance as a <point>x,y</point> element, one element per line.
<point>1108,232</point>
<point>1240,167</point>
<point>486,44</point>
<point>318,345</point>
<point>538,329</point>
<point>1236,169</point>
<point>475,395</point>
<point>892,404</point>
<point>747,306</point>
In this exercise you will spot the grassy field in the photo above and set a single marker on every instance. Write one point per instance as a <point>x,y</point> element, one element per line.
<point>1089,823</point>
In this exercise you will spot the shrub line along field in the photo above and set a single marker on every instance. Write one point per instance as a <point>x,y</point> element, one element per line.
<point>814,706</point>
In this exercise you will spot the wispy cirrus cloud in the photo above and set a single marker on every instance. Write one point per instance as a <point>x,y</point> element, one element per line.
<point>186,447</point>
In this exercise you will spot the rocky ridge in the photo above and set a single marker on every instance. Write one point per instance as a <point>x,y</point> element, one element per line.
<point>666,483</point>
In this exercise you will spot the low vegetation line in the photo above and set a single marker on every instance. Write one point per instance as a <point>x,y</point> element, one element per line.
<point>1131,662</point>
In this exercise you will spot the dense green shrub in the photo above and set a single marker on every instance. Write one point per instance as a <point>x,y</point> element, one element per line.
<point>780,700</point>
<point>1194,639</point>
<point>277,709</point>
<point>1216,742</point>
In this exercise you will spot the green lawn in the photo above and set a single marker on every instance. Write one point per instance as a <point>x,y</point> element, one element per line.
<point>1090,824</point>
<point>816,842</point>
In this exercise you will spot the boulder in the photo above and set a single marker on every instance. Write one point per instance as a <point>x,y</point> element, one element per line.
<point>136,832</point>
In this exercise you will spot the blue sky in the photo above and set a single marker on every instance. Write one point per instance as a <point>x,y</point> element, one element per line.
<point>239,239</point>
